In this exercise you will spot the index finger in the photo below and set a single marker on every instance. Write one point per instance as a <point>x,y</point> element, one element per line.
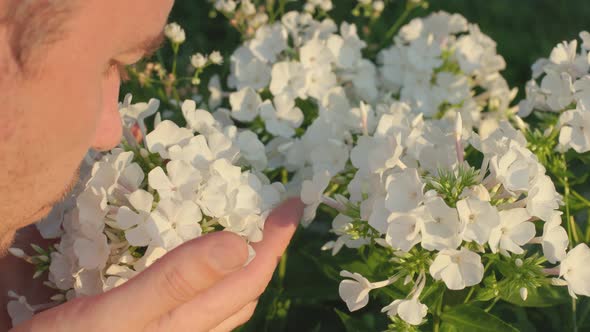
<point>239,288</point>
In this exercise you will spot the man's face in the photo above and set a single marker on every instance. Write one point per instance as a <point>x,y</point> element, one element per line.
<point>51,118</point>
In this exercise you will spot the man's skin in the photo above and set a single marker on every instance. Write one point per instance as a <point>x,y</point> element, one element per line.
<point>50,117</point>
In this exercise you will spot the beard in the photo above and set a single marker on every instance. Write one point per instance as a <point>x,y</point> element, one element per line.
<point>8,232</point>
<point>6,241</point>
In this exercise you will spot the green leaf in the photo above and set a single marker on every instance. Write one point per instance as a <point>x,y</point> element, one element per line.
<point>544,296</point>
<point>38,249</point>
<point>473,319</point>
<point>351,325</point>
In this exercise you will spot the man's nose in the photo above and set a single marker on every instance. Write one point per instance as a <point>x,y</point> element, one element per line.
<point>108,132</point>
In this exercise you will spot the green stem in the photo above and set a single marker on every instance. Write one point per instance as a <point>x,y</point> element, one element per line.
<point>175,50</point>
<point>566,198</point>
<point>488,264</point>
<point>580,197</point>
<point>469,294</point>
<point>282,269</point>
<point>492,305</point>
<point>436,324</point>
<point>574,318</point>
<point>438,312</point>
<point>400,20</point>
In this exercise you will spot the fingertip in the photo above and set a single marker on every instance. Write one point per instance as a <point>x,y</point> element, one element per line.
<point>288,213</point>
<point>228,251</point>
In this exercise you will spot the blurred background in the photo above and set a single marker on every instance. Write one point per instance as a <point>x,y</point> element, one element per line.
<point>304,292</point>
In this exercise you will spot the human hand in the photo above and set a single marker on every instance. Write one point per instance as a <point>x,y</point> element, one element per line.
<point>200,286</point>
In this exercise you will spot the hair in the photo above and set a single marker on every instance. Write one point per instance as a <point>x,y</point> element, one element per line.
<point>33,25</point>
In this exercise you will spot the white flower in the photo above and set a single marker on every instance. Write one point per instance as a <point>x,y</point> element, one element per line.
<point>340,225</point>
<point>469,53</point>
<point>248,71</point>
<point>270,40</point>
<point>228,6</point>
<point>346,47</point>
<point>378,6</point>
<point>247,7</point>
<point>312,193</point>
<point>198,120</point>
<point>165,135</point>
<point>19,309</point>
<point>453,88</point>
<point>404,190</point>
<point>133,223</point>
<point>542,198</point>
<point>92,252</point>
<point>215,92</point>
<point>559,90</point>
<point>319,81</point>
<point>315,55</point>
<point>440,227</point>
<point>513,231</point>
<point>575,270</point>
<point>330,156</point>
<point>198,60</point>
<point>201,151</point>
<point>554,239</point>
<point>245,104</point>
<point>181,182</point>
<point>92,207</point>
<point>516,168</point>
<point>457,268</point>
<point>412,311</point>
<point>61,270</point>
<point>174,222</point>
<point>364,80</point>
<point>175,33</point>
<point>216,58</point>
<point>283,118</point>
<point>403,230</point>
<point>288,78</point>
<point>116,173</point>
<point>354,292</point>
<point>213,197</point>
<point>575,130</point>
<point>138,112</point>
<point>376,155</point>
<point>582,95</point>
<point>251,149</point>
<point>478,218</point>
<point>478,192</point>
<point>424,54</point>
<point>585,36</point>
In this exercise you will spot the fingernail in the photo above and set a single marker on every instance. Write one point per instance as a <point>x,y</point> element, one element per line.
<point>228,255</point>
<point>289,212</point>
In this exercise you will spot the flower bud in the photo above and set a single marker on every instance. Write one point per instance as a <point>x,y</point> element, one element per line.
<point>524,293</point>
<point>16,252</point>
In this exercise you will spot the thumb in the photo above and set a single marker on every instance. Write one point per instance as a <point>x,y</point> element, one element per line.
<point>171,281</point>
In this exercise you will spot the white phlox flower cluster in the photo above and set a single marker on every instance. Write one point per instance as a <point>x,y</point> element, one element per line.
<point>561,84</point>
<point>437,63</point>
<point>242,13</point>
<point>446,221</point>
<point>175,33</point>
<point>142,200</point>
